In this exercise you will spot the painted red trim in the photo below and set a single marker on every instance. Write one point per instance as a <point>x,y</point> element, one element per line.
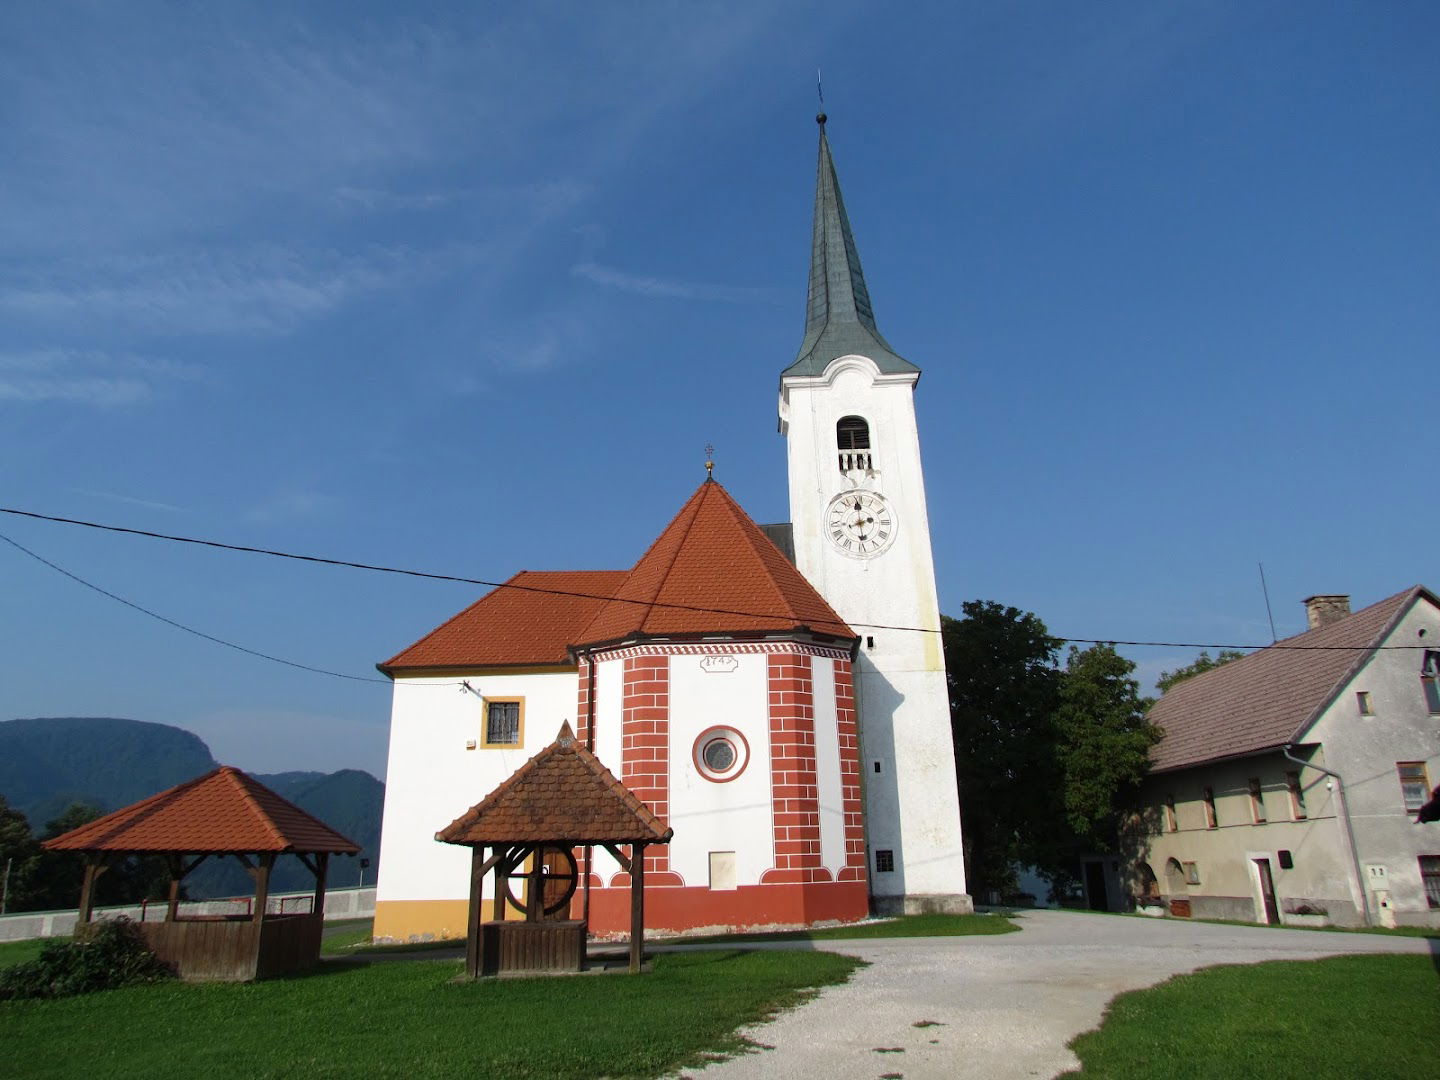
<point>749,906</point>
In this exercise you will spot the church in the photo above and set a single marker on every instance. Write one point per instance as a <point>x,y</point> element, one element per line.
<point>775,694</point>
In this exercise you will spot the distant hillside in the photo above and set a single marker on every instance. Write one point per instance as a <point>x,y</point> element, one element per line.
<point>48,763</point>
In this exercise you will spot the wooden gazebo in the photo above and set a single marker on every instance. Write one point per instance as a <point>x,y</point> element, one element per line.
<point>222,813</point>
<point>560,800</point>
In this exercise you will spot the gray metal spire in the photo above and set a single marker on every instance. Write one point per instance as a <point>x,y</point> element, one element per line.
<point>838,318</point>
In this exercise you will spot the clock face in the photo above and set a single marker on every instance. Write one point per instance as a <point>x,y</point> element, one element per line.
<point>860,524</point>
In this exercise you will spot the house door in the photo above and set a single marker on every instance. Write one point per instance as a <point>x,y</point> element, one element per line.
<point>1095,896</point>
<point>1267,891</point>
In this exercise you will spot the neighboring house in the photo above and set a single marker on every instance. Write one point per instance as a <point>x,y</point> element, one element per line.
<point>1286,785</point>
<point>806,767</point>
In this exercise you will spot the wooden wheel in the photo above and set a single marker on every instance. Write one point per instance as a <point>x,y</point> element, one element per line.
<point>553,871</point>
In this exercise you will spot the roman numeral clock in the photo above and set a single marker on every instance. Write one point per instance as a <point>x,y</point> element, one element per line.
<point>860,524</point>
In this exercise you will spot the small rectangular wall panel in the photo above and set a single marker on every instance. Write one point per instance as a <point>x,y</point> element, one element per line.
<point>827,766</point>
<point>722,871</point>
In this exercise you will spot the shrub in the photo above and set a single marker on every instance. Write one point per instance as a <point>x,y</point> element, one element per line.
<point>103,956</point>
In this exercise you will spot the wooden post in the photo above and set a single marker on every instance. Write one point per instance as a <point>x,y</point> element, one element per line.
<point>93,869</point>
<point>177,871</point>
<point>535,898</point>
<point>637,907</point>
<point>322,871</point>
<point>502,885</point>
<point>474,947</point>
<point>262,887</point>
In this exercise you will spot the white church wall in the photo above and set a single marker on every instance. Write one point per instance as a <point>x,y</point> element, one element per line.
<point>709,816</point>
<point>830,792</point>
<point>433,778</point>
<point>609,740</point>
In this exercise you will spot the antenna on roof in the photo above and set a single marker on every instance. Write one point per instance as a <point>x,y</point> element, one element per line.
<point>1265,589</point>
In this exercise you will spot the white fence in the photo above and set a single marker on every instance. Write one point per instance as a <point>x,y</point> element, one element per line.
<point>339,904</point>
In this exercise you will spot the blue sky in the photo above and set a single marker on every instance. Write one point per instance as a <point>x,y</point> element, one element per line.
<point>467,289</point>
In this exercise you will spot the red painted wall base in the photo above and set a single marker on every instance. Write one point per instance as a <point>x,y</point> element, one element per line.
<point>677,908</point>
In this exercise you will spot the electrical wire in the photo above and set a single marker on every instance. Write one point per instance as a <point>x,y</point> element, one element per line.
<point>347,564</point>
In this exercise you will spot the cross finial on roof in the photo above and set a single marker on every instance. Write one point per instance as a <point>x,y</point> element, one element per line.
<point>709,461</point>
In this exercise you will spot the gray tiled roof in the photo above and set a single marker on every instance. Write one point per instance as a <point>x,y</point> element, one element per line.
<point>838,317</point>
<point>1267,699</point>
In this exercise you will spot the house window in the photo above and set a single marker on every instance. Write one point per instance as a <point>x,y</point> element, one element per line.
<point>1257,801</point>
<point>1211,821</point>
<point>884,861</point>
<point>1430,680</point>
<point>1430,875</point>
<point>1192,873</point>
<point>504,721</point>
<point>1172,823</point>
<point>1414,784</point>
<point>1297,796</point>
<point>852,440</point>
<point>1362,701</point>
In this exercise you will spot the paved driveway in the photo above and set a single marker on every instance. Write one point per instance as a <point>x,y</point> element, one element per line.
<point>1004,1006</point>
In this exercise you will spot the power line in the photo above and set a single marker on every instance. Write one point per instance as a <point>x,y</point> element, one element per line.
<point>574,594</point>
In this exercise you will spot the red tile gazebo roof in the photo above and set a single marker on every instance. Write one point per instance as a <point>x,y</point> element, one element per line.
<point>222,812</point>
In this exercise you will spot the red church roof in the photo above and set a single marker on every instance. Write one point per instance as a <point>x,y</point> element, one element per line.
<point>712,571</point>
<point>223,811</point>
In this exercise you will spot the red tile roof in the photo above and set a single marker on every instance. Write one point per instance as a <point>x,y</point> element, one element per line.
<point>1268,698</point>
<point>530,620</point>
<point>563,794</point>
<point>712,571</point>
<point>220,812</point>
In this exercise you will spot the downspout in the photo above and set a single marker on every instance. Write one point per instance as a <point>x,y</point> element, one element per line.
<point>1357,881</point>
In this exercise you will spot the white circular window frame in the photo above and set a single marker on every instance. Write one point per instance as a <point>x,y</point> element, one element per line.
<point>735,739</point>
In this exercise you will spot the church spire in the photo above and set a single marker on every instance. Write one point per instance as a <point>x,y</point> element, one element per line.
<point>838,317</point>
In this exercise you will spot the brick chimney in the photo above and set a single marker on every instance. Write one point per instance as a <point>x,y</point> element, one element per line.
<point>1326,609</point>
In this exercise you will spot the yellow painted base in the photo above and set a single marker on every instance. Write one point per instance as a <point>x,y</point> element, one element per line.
<point>429,920</point>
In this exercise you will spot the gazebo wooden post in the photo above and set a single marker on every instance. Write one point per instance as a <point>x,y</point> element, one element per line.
<point>176,864</point>
<point>535,898</point>
<point>502,884</point>
<point>322,871</point>
<point>94,867</point>
<point>637,907</point>
<point>262,886</point>
<point>474,947</point>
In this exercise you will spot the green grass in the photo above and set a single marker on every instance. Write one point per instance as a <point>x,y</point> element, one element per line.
<point>905,926</point>
<point>409,1019</point>
<point>17,952</point>
<point>1346,1016</point>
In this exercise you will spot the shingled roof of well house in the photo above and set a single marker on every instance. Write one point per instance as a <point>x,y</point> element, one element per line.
<point>222,811</point>
<point>562,793</point>
<point>712,571</point>
<point>1268,698</point>
<point>532,619</point>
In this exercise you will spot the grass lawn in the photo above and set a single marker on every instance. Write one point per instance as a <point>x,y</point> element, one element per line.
<point>15,952</point>
<point>904,926</point>
<point>408,1019</point>
<point>1346,1016</point>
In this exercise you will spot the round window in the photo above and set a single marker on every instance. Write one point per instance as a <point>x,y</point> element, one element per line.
<point>721,754</point>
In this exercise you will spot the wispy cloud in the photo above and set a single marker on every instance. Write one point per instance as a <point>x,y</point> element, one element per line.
<point>218,291</point>
<point>85,377</point>
<point>129,500</point>
<point>292,505</point>
<point>674,288</point>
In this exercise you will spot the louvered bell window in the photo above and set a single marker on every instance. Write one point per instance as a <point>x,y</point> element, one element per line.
<point>852,440</point>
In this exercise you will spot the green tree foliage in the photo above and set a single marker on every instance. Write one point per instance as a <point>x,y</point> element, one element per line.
<point>1203,663</point>
<point>1103,743</point>
<point>1003,682</point>
<point>18,853</point>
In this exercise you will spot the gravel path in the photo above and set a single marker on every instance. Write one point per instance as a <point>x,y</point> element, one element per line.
<point>996,1007</point>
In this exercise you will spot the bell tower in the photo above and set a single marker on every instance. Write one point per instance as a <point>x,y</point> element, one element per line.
<point>862,538</point>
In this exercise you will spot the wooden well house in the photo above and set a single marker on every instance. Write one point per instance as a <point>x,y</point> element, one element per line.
<point>224,813</point>
<point>536,828</point>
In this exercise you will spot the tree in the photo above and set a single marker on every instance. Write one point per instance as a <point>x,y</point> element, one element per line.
<point>18,852</point>
<point>1203,663</point>
<point>1003,684</point>
<point>1103,743</point>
